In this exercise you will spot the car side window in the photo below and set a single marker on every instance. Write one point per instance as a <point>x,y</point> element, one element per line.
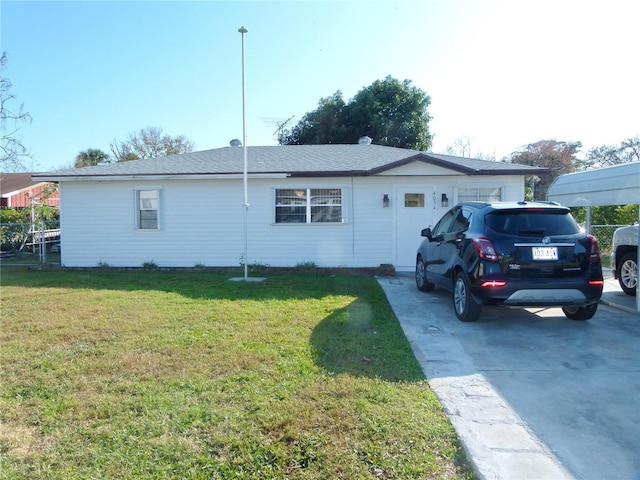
<point>445,222</point>
<point>461,222</point>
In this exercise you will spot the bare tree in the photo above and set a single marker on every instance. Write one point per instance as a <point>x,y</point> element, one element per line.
<point>12,152</point>
<point>461,147</point>
<point>607,155</point>
<point>150,142</point>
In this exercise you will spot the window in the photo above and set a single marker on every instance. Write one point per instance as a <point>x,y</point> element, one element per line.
<point>491,194</point>
<point>147,208</point>
<point>309,205</point>
<point>414,200</point>
<point>542,222</point>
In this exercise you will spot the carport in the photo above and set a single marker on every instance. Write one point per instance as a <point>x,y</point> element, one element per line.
<point>615,185</point>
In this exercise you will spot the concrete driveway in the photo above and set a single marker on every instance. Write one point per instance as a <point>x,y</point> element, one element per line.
<point>531,394</point>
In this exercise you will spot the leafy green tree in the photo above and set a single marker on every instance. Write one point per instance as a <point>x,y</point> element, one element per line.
<point>326,124</point>
<point>390,112</point>
<point>91,157</point>
<point>558,157</point>
<point>608,214</point>
<point>14,215</point>
<point>150,142</point>
<point>12,151</point>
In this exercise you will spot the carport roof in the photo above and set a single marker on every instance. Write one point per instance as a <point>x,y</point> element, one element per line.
<point>288,160</point>
<point>615,185</point>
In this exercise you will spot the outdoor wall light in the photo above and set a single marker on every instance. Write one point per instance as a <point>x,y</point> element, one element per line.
<point>385,200</point>
<point>445,200</point>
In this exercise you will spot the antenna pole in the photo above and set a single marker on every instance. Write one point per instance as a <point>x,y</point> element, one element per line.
<point>242,31</point>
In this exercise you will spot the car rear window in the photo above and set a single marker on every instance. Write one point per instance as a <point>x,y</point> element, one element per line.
<point>532,222</point>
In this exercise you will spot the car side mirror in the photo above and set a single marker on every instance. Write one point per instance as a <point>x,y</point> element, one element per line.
<point>426,232</point>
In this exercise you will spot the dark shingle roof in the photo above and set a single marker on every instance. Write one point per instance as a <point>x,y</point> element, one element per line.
<point>293,160</point>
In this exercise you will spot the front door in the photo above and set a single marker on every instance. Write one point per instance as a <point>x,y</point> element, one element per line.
<point>414,211</point>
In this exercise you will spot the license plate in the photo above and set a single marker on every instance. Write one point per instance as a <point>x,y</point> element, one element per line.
<point>545,253</point>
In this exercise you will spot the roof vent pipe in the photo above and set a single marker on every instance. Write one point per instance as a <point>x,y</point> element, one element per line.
<point>364,140</point>
<point>235,143</point>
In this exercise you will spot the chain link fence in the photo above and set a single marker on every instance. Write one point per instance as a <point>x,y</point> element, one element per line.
<point>30,243</point>
<point>604,235</point>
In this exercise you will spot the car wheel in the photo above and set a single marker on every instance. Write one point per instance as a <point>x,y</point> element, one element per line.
<point>467,309</point>
<point>580,313</point>
<point>628,273</point>
<point>421,277</point>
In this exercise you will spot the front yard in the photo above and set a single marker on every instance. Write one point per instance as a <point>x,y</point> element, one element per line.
<point>150,374</point>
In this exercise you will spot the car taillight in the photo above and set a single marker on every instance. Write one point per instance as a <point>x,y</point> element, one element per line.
<point>596,283</point>
<point>594,249</point>
<point>493,283</point>
<point>485,248</point>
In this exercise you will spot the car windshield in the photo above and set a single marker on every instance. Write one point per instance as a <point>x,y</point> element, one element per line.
<point>532,222</point>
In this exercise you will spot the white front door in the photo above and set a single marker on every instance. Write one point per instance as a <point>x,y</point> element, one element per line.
<point>414,211</point>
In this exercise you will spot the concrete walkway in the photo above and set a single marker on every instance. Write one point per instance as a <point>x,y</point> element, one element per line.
<point>519,353</point>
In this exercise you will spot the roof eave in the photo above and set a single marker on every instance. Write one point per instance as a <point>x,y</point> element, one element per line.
<point>426,158</point>
<point>161,176</point>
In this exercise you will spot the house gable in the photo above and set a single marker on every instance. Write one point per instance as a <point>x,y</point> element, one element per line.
<point>417,167</point>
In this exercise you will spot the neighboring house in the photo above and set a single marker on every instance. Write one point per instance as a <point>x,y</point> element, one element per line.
<point>19,190</point>
<point>334,205</point>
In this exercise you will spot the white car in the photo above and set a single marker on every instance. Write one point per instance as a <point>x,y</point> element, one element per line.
<point>624,257</point>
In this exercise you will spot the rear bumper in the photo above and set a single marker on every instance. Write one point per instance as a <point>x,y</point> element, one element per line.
<point>547,294</point>
<point>547,297</point>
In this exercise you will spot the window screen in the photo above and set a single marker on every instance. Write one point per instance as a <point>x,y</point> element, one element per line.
<point>147,209</point>
<point>480,194</point>
<point>309,205</point>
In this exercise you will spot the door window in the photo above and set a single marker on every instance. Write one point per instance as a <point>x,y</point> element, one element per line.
<point>414,200</point>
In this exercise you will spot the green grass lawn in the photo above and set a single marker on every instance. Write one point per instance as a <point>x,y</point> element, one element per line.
<point>150,374</point>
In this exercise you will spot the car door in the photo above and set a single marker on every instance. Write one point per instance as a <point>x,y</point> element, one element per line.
<point>449,249</point>
<point>435,256</point>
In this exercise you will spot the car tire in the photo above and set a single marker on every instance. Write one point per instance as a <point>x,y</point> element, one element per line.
<point>465,306</point>
<point>421,277</point>
<point>628,273</point>
<point>580,313</point>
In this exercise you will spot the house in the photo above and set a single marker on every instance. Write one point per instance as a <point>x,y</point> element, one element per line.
<point>18,190</point>
<point>358,205</point>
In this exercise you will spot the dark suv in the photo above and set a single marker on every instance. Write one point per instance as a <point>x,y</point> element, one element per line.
<point>517,254</point>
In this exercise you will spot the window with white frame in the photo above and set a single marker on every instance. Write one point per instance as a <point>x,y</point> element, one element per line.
<point>309,205</point>
<point>148,209</point>
<point>480,194</point>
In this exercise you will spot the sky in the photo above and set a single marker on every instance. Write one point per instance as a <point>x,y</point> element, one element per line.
<point>502,74</point>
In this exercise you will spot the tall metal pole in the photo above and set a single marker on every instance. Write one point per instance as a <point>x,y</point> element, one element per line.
<point>242,31</point>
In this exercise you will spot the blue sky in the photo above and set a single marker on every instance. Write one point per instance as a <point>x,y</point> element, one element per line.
<point>504,74</point>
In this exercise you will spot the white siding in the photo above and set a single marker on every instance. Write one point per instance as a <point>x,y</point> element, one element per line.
<point>202,222</point>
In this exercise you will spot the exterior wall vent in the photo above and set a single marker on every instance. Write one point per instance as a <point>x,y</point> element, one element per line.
<point>364,140</point>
